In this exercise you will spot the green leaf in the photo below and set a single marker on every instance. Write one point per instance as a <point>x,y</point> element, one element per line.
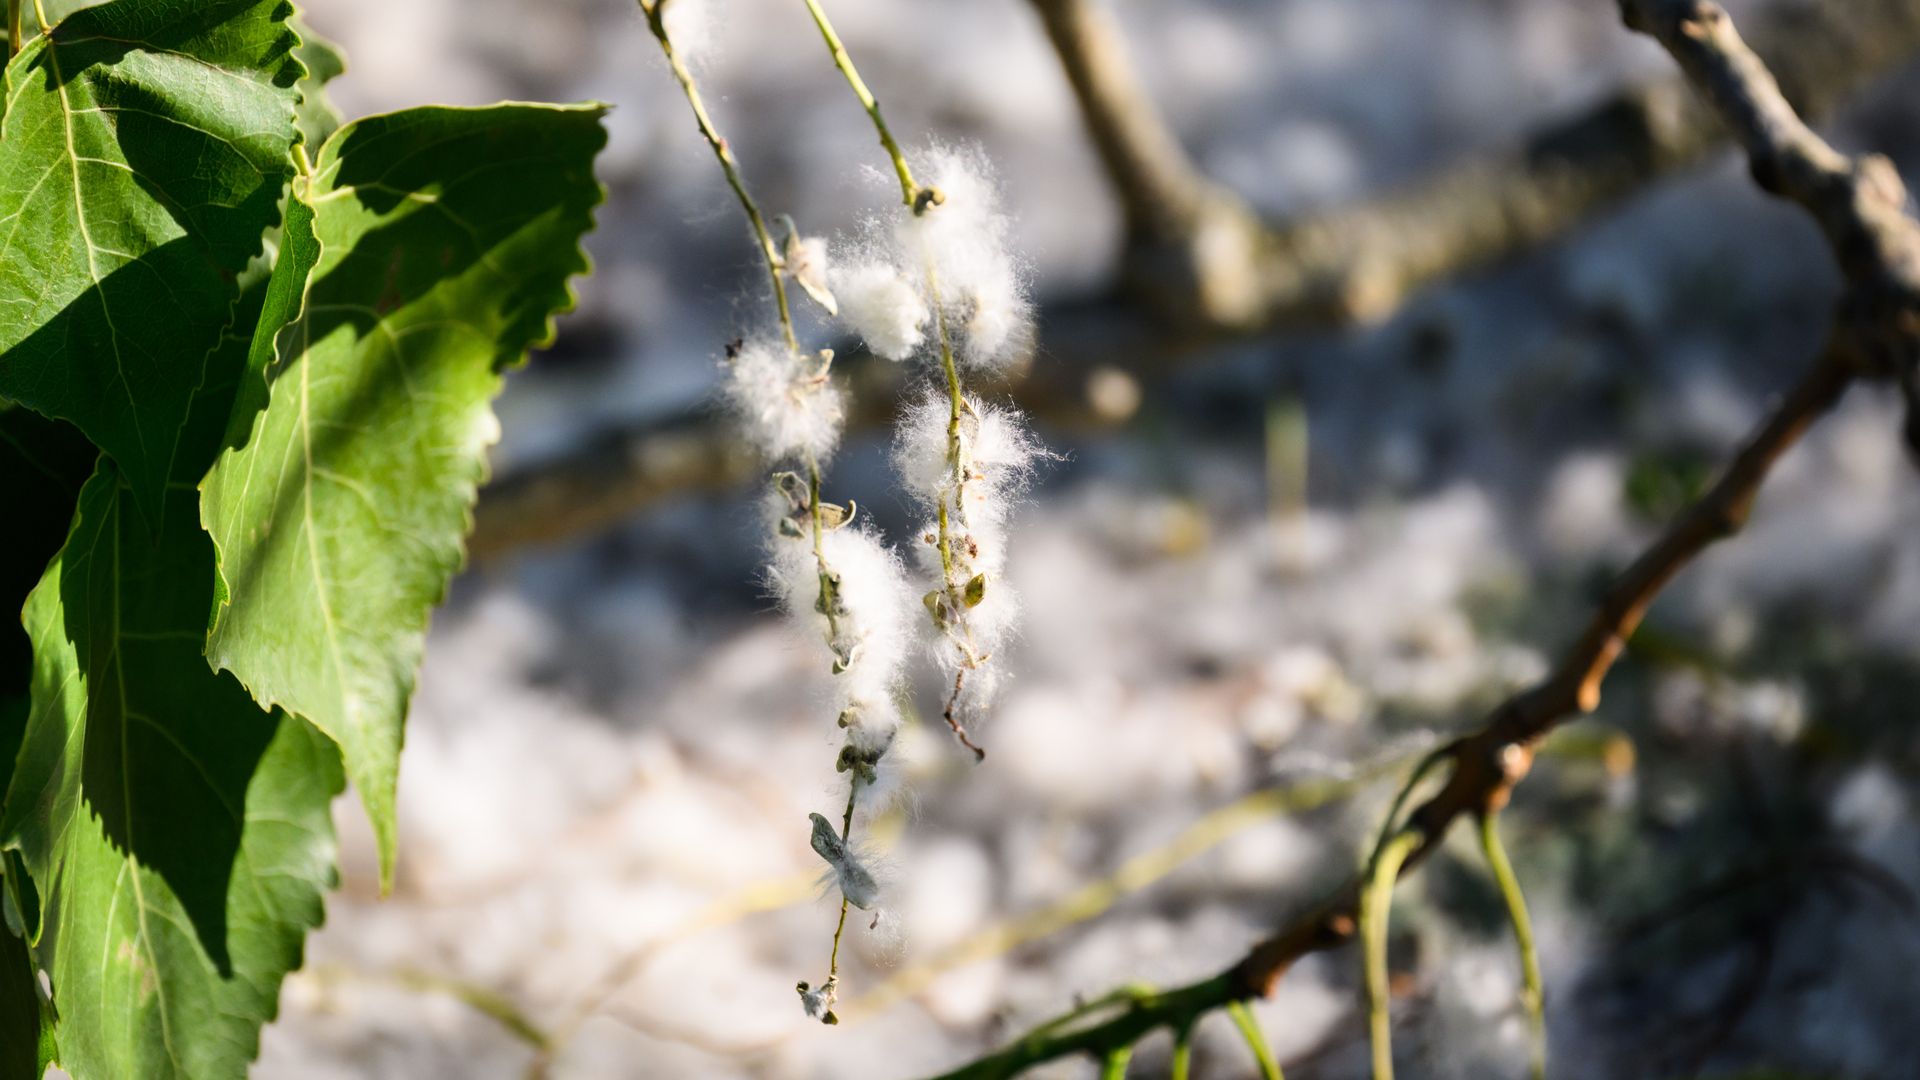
<point>211,409</point>
<point>324,62</point>
<point>280,305</point>
<point>179,834</point>
<point>26,1029</point>
<point>235,387</point>
<point>43,463</point>
<point>143,155</point>
<point>446,239</point>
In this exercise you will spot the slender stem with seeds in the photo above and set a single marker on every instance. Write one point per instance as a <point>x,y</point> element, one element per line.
<point>655,12</point>
<point>828,604</point>
<point>956,620</point>
<point>922,200</point>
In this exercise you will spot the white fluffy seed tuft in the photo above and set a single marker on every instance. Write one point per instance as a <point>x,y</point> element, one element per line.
<point>806,263</point>
<point>974,609</point>
<point>693,27</point>
<point>964,243</point>
<point>920,448</point>
<point>878,615</point>
<point>871,636</point>
<point>784,402</point>
<point>1000,451</point>
<point>883,307</point>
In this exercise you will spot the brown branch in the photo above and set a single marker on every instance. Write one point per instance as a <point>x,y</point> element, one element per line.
<point>1160,190</point>
<point>600,483</point>
<point>1204,256</point>
<point>1187,239</point>
<point>1487,764</point>
<point>1860,206</point>
<point>1859,203</point>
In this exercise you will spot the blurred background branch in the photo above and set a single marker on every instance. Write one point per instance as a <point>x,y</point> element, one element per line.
<point>1200,267</point>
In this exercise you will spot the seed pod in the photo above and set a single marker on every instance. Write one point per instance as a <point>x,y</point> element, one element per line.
<point>805,261</point>
<point>856,882</point>
<point>975,591</point>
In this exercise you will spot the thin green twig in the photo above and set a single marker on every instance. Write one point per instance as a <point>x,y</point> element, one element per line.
<point>1128,995</point>
<point>1182,1065</point>
<point>1391,823</point>
<point>1143,1011</point>
<point>1381,870</point>
<point>1115,1065</point>
<point>846,834</point>
<point>908,189</point>
<point>1376,904</point>
<point>1533,990</point>
<point>656,22</point>
<point>489,1003</point>
<point>1243,1019</point>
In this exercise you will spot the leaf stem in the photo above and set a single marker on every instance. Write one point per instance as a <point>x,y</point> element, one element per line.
<point>909,191</point>
<point>1533,993</point>
<point>1243,1019</point>
<point>656,22</point>
<point>1391,823</point>
<point>1376,905</point>
<point>1182,1065</point>
<point>1115,1066</point>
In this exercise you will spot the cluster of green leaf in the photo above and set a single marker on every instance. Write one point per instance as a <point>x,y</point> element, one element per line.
<point>247,356</point>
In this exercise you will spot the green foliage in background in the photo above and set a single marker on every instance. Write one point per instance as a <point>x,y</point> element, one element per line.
<point>247,358</point>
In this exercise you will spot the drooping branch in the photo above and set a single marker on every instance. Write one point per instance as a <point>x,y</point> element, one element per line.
<point>1860,206</point>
